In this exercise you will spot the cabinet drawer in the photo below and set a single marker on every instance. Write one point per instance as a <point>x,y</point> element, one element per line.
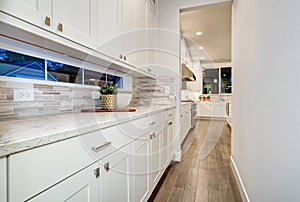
<point>35,170</point>
<point>104,142</point>
<point>137,128</point>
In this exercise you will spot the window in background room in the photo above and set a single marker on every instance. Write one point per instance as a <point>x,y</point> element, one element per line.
<point>21,66</point>
<point>226,80</point>
<point>211,81</point>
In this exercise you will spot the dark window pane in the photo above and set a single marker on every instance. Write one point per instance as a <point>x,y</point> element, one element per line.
<point>211,81</point>
<point>22,66</point>
<point>63,73</point>
<point>116,80</point>
<point>226,80</point>
<point>94,78</point>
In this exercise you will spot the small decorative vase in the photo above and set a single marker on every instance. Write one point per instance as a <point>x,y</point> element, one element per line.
<point>109,102</point>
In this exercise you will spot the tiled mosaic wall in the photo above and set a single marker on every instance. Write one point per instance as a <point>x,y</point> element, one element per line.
<point>148,91</point>
<point>48,99</point>
<point>53,99</point>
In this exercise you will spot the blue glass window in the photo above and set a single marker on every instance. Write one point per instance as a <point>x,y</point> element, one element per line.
<point>63,73</point>
<point>94,78</point>
<point>22,66</point>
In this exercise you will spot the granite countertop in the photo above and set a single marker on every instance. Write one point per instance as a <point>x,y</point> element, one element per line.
<point>29,132</point>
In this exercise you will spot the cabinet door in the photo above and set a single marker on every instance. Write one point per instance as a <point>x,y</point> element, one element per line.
<point>151,39</point>
<point>170,134</point>
<point>127,30</point>
<point>140,169</point>
<point>32,11</point>
<point>154,157</point>
<point>108,30</point>
<point>83,186</point>
<point>116,176</point>
<point>141,33</point>
<point>76,20</point>
<point>164,146</point>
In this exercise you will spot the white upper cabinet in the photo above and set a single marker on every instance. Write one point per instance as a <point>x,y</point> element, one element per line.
<point>3,181</point>
<point>37,12</point>
<point>74,20</point>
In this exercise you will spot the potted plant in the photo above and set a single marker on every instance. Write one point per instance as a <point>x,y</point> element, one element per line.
<point>109,95</point>
<point>208,98</point>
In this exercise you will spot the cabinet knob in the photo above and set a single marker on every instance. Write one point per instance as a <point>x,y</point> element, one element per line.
<point>47,21</point>
<point>106,166</point>
<point>152,136</point>
<point>149,70</point>
<point>125,57</point>
<point>170,123</point>
<point>60,27</point>
<point>97,172</point>
<point>121,56</point>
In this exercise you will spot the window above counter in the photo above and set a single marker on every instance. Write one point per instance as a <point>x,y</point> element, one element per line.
<point>13,64</point>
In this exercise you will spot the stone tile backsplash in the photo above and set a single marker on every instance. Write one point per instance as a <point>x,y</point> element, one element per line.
<point>52,98</point>
<point>48,99</point>
<point>147,91</point>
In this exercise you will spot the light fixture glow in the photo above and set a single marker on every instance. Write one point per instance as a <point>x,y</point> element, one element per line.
<point>198,33</point>
<point>200,47</point>
<point>201,58</point>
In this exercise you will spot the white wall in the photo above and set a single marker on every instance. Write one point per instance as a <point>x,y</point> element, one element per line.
<point>169,47</point>
<point>266,98</point>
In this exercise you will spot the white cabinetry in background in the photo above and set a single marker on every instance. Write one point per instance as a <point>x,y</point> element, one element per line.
<point>211,109</point>
<point>3,182</point>
<point>77,22</point>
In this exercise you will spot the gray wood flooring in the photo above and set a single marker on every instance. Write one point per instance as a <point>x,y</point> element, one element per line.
<point>204,173</point>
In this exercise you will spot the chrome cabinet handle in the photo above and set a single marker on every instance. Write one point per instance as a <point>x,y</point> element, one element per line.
<point>47,21</point>
<point>106,166</point>
<point>60,27</point>
<point>152,123</point>
<point>96,149</point>
<point>152,136</point>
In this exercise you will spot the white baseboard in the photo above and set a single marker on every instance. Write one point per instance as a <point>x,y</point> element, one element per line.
<point>238,179</point>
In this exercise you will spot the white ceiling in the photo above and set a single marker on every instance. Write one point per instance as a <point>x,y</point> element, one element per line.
<point>215,25</point>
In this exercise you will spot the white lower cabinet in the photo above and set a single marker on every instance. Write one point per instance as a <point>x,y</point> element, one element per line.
<point>122,168</point>
<point>116,176</point>
<point>82,186</point>
<point>3,179</point>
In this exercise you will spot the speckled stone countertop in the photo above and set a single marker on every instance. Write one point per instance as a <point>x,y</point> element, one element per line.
<point>29,132</point>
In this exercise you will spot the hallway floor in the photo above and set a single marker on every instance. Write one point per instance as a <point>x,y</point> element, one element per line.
<point>204,173</point>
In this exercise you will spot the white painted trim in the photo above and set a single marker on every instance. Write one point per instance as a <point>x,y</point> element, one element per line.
<point>238,179</point>
<point>177,157</point>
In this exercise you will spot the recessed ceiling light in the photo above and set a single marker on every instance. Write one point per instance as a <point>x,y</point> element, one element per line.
<point>200,47</point>
<point>198,33</point>
<point>201,58</point>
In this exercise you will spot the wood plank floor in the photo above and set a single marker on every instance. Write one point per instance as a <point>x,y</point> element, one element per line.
<point>204,173</point>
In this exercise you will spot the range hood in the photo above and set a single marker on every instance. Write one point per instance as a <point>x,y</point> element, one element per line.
<point>187,74</point>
